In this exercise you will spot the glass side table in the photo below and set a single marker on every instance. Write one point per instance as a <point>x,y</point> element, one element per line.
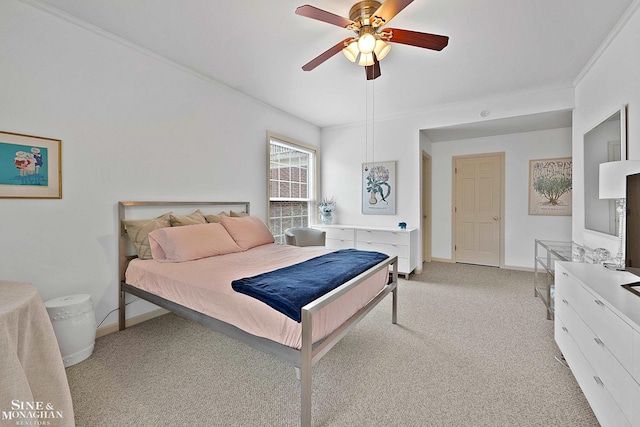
<point>547,252</point>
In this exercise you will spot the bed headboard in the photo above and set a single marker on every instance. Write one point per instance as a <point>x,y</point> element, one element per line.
<point>152,209</point>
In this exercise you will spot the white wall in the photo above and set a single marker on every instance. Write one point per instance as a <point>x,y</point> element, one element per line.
<point>133,127</point>
<point>400,139</point>
<point>520,228</point>
<point>611,81</point>
<point>343,153</point>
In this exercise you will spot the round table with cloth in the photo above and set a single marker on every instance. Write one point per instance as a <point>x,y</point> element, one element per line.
<point>33,383</point>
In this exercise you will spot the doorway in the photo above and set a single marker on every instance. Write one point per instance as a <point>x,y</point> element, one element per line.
<point>426,207</point>
<point>478,224</point>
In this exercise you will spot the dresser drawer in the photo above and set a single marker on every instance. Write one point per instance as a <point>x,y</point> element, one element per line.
<point>573,292</point>
<point>636,358</point>
<point>380,236</point>
<point>602,403</point>
<point>614,332</point>
<point>615,378</point>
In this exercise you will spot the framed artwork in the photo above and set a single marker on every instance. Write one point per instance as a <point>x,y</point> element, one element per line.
<point>550,187</point>
<point>30,166</point>
<point>379,188</point>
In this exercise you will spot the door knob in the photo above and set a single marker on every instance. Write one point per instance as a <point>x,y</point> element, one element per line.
<point>495,218</point>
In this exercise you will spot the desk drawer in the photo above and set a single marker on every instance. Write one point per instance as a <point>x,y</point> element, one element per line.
<point>340,233</point>
<point>338,243</point>
<point>400,251</point>
<point>383,236</point>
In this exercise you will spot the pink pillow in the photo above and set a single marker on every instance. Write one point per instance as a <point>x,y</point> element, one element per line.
<point>247,231</point>
<point>177,244</point>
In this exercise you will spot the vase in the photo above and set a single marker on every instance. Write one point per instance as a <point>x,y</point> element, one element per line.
<point>326,218</point>
<point>372,199</point>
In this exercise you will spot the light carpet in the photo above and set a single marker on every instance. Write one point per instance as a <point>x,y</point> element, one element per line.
<point>472,347</point>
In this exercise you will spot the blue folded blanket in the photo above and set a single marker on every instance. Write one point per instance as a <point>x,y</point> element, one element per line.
<point>290,288</point>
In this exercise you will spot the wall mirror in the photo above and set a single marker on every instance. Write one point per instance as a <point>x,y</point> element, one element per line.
<point>606,142</point>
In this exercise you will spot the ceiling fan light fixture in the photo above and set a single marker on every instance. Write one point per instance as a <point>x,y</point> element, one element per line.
<point>366,41</point>
<point>366,59</point>
<point>371,42</point>
<point>381,49</point>
<point>351,51</point>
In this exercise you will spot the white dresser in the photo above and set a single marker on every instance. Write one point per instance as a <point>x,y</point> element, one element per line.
<point>392,241</point>
<point>597,328</point>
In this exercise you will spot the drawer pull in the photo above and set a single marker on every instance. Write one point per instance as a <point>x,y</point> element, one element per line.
<point>598,381</point>
<point>600,303</point>
<point>564,273</point>
<point>598,341</point>
<point>565,301</point>
<point>565,329</point>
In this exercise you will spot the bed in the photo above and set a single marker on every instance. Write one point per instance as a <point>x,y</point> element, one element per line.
<point>200,289</point>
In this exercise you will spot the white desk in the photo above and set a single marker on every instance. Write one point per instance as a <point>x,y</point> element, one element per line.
<point>392,241</point>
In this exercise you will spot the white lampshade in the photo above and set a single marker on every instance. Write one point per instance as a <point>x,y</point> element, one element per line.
<point>366,42</point>
<point>381,49</point>
<point>351,51</point>
<point>613,178</point>
<point>366,59</point>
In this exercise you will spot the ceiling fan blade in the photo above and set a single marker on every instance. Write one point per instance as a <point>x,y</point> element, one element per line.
<point>322,15</point>
<point>414,38</point>
<point>325,55</point>
<point>373,71</point>
<point>391,8</point>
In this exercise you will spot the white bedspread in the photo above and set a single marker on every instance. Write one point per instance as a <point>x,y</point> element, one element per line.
<point>204,285</point>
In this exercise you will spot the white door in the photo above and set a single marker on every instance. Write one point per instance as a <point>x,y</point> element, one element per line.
<point>477,210</point>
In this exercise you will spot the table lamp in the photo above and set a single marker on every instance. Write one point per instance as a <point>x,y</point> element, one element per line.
<point>613,185</point>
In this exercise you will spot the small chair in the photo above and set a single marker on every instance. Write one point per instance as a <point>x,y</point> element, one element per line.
<point>304,236</point>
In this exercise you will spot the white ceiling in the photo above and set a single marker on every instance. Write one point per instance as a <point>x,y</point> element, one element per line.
<point>496,47</point>
<point>528,123</point>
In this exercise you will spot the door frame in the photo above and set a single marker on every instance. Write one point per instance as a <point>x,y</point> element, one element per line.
<point>425,206</point>
<point>453,201</point>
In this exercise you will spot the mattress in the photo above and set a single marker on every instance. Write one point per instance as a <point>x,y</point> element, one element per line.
<point>204,285</point>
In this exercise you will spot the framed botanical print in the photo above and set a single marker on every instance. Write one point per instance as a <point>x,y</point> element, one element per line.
<point>379,188</point>
<point>30,166</point>
<point>550,186</point>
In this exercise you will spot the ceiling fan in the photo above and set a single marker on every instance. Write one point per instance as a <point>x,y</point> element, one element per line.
<point>370,45</point>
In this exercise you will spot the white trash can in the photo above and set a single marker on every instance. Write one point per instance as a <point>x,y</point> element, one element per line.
<point>74,323</point>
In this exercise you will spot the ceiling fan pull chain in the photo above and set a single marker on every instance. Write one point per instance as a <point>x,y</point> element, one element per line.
<point>366,126</point>
<point>373,122</point>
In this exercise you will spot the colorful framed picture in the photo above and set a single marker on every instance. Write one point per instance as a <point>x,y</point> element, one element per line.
<point>30,166</point>
<point>550,187</point>
<point>379,188</point>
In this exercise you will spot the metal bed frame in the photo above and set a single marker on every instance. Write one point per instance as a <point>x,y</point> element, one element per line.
<point>302,359</point>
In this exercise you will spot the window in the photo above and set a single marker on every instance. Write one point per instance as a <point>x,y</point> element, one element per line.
<point>292,171</point>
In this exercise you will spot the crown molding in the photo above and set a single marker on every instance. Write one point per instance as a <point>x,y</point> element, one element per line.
<point>607,42</point>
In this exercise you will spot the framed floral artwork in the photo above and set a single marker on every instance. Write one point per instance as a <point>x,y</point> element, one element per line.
<point>550,187</point>
<point>30,166</point>
<point>379,188</point>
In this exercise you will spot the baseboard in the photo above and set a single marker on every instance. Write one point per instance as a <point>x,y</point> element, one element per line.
<point>114,327</point>
<point>511,267</point>
<point>442,260</point>
<point>506,267</point>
